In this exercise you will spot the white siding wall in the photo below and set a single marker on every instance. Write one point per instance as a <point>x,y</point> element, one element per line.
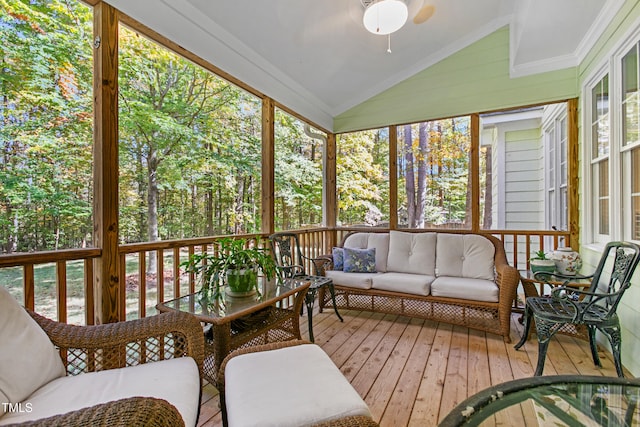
<point>524,179</point>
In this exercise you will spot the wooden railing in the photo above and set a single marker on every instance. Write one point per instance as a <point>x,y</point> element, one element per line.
<point>52,303</point>
<point>142,290</point>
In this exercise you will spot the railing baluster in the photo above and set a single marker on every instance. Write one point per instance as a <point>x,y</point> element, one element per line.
<point>176,272</point>
<point>192,284</point>
<point>160,274</point>
<point>89,296</point>
<point>123,286</point>
<point>29,287</point>
<point>61,290</point>
<point>142,283</point>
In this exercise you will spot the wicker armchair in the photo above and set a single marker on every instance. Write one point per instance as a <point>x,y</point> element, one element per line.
<point>86,350</point>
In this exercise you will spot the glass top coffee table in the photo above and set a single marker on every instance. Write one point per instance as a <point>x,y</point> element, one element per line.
<point>559,400</point>
<point>270,315</point>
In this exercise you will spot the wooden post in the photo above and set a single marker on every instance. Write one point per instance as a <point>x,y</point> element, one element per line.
<point>268,165</point>
<point>330,189</point>
<point>105,169</point>
<point>573,188</point>
<point>474,162</point>
<point>393,177</point>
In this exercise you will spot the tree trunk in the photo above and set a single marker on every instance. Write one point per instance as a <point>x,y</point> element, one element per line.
<point>152,209</point>
<point>421,201</point>
<point>409,177</point>
<point>238,222</point>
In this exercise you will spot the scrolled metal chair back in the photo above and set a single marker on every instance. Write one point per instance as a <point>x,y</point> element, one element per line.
<point>616,280</point>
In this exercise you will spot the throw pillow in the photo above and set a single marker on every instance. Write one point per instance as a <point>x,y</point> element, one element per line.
<point>338,257</point>
<point>28,359</point>
<point>359,260</point>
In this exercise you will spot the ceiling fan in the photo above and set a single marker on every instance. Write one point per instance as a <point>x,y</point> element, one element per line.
<point>383,17</point>
<point>418,10</point>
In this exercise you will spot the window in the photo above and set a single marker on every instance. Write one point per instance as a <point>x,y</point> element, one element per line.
<point>46,135</point>
<point>556,145</point>
<point>362,174</point>
<point>600,135</point>
<point>190,148</point>
<point>299,155</point>
<point>631,144</point>
<point>433,174</point>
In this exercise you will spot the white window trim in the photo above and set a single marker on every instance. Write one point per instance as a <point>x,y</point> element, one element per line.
<point>623,153</point>
<point>618,219</point>
<point>588,202</point>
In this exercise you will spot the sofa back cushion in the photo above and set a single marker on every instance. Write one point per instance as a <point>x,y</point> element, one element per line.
<point>412,253</point>
<point>28,359</point>
<point>379,241</point>
<point>465,255</point>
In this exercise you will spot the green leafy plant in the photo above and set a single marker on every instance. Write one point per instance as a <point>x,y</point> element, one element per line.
<point>212,269</point>
<point>540,255</point>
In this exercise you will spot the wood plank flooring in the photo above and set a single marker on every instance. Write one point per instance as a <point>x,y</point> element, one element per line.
<point>412,372</point>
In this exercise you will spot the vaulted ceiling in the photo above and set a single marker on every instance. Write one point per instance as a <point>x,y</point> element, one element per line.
<point>315,56</point>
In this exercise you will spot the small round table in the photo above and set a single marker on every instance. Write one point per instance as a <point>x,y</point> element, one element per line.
<point>573,400</point>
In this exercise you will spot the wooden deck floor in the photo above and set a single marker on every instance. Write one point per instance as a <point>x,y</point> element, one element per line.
<point>412,372</point>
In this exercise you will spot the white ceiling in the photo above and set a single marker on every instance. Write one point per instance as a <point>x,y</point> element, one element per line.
<point>315,57</point>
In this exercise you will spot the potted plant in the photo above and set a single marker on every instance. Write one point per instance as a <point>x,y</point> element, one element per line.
<point>234,263</point>
<point>541,263</point>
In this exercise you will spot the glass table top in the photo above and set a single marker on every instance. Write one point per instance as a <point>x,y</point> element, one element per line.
<point>227,307</point>
<point>563,400</point>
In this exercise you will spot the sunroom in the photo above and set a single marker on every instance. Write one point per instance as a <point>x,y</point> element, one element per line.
<point>137,134</point>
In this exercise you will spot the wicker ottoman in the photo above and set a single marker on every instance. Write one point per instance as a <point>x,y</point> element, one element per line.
<point>288,384</point>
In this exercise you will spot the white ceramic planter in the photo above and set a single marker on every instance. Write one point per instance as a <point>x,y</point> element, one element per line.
<point>568,261</point>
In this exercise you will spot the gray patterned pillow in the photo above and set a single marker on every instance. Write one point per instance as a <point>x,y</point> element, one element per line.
<point>338,258</point>
<point>359,260</point>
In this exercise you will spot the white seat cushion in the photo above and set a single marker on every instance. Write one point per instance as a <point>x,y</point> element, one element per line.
<point>352,280</point>
<point>464,288</point>
<point>175,380</point>
<point>293,386</point>
<point>28,359</point>
<point>417,284</point>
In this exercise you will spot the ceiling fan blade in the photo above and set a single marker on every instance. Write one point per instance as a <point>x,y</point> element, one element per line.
<point>424,14</point>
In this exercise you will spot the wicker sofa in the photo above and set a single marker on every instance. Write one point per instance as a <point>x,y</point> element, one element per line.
<point>140,372</point>
<point>463,279</point>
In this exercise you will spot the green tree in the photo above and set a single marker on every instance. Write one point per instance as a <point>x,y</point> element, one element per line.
<point>46,133</point>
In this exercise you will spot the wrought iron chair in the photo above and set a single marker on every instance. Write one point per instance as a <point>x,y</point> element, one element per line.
<point>290,263</point>
<point>594,308</point>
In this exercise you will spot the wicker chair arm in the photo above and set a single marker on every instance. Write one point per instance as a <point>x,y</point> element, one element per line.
<point>322,264</point>
<point>113,335</point>
<point>355,421</point>
<point>134,411</point>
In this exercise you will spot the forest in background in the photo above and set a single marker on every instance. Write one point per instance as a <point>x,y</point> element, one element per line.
<point>189,147</point>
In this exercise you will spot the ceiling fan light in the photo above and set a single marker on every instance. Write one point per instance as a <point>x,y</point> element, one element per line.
<point>385,16</point>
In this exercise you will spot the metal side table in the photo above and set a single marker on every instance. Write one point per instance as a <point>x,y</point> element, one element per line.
<point>317,282</point>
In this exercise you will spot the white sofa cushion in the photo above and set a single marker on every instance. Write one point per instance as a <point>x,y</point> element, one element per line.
<point>412,253</point>
<point>464,288</point>
<point>304,387</point>
<point>379,241</point>
<point>28,359</point>
<point>352,280</point>
<point>175,380</point>
<point>465,255</point>
<point>418,284</point>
